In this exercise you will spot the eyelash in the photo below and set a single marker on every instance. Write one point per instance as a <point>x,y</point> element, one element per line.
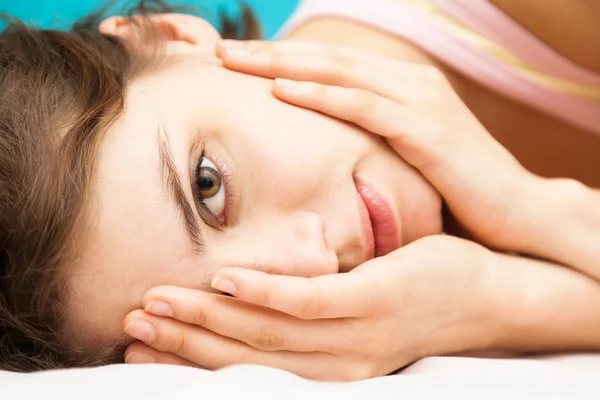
<point>227,180</point>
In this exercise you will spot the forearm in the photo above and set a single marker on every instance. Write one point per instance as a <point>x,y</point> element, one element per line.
<point>539,306</point>
<point>561,222</point>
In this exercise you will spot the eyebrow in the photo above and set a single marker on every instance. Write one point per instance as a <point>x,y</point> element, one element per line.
<point>173,189</point>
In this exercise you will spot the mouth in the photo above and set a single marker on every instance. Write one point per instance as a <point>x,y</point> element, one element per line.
<point>380,227</point>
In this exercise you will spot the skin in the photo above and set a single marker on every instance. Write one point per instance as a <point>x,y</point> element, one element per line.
<point>438,295</point>
<point>549,287</point>
<point>543,144</point>
<point>137,239</point>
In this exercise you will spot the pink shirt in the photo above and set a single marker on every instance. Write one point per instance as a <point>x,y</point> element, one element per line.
<point>478,39</point>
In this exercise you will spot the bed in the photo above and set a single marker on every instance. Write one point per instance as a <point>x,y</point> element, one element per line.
<point>575,376</point>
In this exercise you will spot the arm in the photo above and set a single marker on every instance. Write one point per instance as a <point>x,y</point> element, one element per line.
<point>561,222</point>
<point>537,306</point>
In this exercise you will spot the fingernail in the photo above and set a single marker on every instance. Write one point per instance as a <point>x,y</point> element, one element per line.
<point>224,285</point>
<point>140,357</point>
<point>239,53</point>
<point>141,330</point>
<point>286,84</point>
<point>233,44</point>
<point>159,308</point>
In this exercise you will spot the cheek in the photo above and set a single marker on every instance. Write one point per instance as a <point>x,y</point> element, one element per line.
<point>296,163</point>
<point>290,244</point>
<point>283,181</point>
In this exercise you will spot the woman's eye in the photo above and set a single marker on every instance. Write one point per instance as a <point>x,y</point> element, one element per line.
<point>211,190</point>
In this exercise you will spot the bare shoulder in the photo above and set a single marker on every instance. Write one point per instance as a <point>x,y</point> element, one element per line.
<point>571,27</point>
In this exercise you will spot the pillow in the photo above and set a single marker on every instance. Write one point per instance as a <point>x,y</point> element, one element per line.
<point>572,377</point>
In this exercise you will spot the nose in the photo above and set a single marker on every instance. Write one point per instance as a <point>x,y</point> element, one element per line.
<point>292,245</point>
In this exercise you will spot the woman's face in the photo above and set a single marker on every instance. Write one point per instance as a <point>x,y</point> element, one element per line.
<point>278,184</point>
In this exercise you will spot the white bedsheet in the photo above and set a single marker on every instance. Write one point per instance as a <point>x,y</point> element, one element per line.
<point>566,377</point>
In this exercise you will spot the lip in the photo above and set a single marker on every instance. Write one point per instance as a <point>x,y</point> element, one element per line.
<point>367,229</point>
<point>380,227</point>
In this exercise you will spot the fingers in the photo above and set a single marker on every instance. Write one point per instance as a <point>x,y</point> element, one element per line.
<point>141,353</point>
<point>211,351</point>
<point>190,342</point>
<point>323,297</point>
<point>362,107</point>
<point>390,98</point>
<point>261,328</point>
<point>337,66</point>
<point>411,136</point>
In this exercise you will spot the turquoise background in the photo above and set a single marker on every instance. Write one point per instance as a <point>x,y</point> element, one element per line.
<point>59,14</point>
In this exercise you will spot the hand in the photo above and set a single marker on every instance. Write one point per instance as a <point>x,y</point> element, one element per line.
<point>425,298</point>
<point>415,108</point>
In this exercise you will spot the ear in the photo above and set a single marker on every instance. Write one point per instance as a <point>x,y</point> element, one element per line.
<point>172,27</point>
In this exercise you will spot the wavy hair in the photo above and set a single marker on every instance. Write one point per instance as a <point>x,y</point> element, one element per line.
<point>59,92</point>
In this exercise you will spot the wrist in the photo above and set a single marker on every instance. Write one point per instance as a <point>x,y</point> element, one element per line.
<point>494,308</point>
<point>560,221</point>
<point>537,205</point>
<point>506,302</point>
<point>531,207</point>
<point>477,328</point>
<point>539,306</point>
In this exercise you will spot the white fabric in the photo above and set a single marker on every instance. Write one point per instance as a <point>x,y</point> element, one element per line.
<point>571,377</point>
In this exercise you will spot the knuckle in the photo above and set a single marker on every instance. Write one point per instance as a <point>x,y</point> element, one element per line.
<point>433,74</point>
<point>319,94</point>
<point>199,317</point>
<point>179,343</point>
<point>311,308</point>
<point>256,265</point>
<point>370,349</point>
<point>264,298</point>
<point>368,353</point>
<point>341,68</point>
<point>268,341</point>
<point>261,297</point>
<point>280,64</point>
<point>365,103</point>
<point>368,100</point>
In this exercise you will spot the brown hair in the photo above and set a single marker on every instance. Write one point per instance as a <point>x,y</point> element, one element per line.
<point>59,91</point>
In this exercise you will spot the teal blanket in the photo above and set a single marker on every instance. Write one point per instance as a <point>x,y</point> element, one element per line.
<point>59,14</point>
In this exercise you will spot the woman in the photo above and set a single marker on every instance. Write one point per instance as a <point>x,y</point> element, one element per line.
<point>156,184</point>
